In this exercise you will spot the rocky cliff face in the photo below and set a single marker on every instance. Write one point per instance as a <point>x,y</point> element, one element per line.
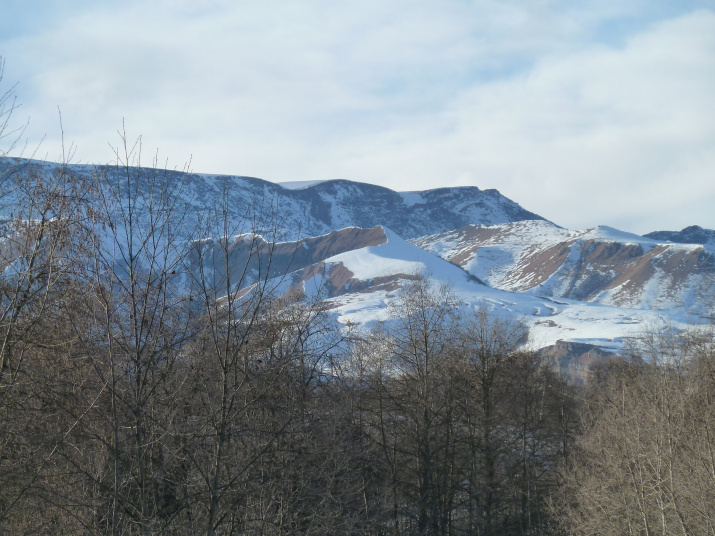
<point>249,258</point>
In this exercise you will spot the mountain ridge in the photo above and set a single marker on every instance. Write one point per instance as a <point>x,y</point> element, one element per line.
<point>347,240</point>
<point>600,265</point>
<point>693,234</point>
<point>325,206</point>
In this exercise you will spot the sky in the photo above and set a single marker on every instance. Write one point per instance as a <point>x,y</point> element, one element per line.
<point>588,112</point>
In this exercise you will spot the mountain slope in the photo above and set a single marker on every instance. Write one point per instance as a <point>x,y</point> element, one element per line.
<point>319,208</point>
<point>601,265</point>
<point>530,267</point>
<point>360,285</point>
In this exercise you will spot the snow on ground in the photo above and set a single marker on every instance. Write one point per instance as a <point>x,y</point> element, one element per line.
<point>603,233</point>
<point>412,198</point>
<point>491,263</point>
<point>396,256</point>
<point>549,320</point>
<point>298,185</point>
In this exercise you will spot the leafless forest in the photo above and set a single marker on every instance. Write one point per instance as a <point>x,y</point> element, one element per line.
<point>152,384</point>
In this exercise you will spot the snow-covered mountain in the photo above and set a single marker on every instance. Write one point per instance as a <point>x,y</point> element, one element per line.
<point>600,265</point>
<point>320,207</point>
<point>359,285</point>
<point>347,242</point>
<point>690,235</point>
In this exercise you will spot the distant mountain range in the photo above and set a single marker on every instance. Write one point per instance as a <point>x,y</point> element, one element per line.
<point>356,244</point>
<point>690,235</point>
<point>323,206</point>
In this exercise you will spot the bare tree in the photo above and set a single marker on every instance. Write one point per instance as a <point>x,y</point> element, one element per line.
<point>410,411</point>
<point>645,456</point>
<point>41,252</point>
<point>133,323</point>
<point>10,135</point>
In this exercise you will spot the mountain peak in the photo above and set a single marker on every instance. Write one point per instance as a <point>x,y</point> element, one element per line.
<point>693,234</point>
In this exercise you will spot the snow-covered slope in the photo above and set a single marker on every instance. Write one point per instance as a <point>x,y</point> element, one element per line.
<point>319,208</point>
<point>360,284</point>
<point>345,241</point>
<point>600,265</point>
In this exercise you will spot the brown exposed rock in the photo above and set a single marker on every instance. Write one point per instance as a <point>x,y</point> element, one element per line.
<point>339,280</point>
<point>255,257</point>
<point>581,266</point>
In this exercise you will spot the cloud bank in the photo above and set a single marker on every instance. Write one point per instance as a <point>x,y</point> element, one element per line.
<point>590,114</point>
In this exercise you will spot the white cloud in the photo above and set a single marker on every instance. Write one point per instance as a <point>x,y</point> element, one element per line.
<point>581,113</point>
<point>620,136</point>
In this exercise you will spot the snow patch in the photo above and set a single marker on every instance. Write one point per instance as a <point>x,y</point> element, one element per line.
<point>396,256</point>
<point>298,185</point>
<point>412,198</point>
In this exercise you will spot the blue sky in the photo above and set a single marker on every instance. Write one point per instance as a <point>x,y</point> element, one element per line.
<point>586,112</point>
